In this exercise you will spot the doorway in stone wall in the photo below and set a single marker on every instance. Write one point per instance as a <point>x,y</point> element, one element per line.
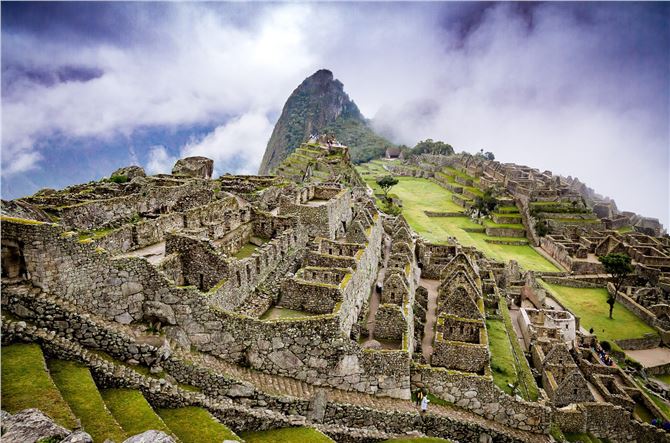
<point>13,261</point>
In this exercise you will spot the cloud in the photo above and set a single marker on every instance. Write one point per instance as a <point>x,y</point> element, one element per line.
<point>241,142</point>
<point>580,89</point>
<point>160,161</point>
<point>213,70</point>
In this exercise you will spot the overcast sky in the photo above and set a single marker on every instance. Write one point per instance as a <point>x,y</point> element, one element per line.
<point>580,89</point>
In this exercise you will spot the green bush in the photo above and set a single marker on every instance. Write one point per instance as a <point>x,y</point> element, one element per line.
<point>118,178</point>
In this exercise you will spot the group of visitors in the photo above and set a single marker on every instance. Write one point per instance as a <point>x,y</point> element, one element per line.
<point>663,424</point>
<point>604,355</point>
<point>421,397</point>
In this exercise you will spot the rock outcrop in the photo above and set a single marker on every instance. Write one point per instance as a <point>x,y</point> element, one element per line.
<point>319,104</point>
<point>199,167</point>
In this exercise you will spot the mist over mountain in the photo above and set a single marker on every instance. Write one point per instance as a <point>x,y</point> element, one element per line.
<point>319,105</point>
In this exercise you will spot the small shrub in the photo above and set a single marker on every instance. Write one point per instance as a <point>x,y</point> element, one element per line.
<point>119,178</point>
<point>607,347</point>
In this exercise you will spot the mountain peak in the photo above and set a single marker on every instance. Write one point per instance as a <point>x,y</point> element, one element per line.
<point>318,104</point>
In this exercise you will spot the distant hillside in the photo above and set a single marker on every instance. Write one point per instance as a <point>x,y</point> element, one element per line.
<point>320,105</point>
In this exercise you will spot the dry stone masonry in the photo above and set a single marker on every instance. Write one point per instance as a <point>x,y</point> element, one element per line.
<point>292,300</point>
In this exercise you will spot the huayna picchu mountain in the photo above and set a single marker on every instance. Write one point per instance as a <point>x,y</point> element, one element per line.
<point>320,105</point>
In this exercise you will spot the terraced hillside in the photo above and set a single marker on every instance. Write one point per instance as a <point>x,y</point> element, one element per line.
<point>67,392</point>
<point>419,195</point>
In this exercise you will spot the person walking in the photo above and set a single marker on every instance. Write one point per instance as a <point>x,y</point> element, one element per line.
<point>424,404</point>
<point>419,397</point>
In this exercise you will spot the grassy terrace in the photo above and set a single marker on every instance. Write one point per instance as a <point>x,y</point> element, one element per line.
<point>286,435</point>
<point>590,305</point>
<point>419,195</point>
<point>277,312</point>
<point>132,411</point>
<point>245,251</point>
<point>26,384</point>
<point>502,360</point>
<point>195,425</point>
<point>79,390</point>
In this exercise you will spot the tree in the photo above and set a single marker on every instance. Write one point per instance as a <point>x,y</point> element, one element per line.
<point>386,183</point>
<point>485,203</point>
<point>489,156</point>
<point>619,267</point>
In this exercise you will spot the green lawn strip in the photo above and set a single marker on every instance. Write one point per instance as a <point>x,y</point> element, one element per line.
<point>590,305</point>
<point>502,360</point>
<point>132,411</point>
<point>26,383</point>
<point>507,210</point>
<point>491,224</point>
<point>527,387</point>
<point>195,425</point>
<point>286,435</point>
<point>277,312</point>
<point>79,390</point>
<point>663,405</point>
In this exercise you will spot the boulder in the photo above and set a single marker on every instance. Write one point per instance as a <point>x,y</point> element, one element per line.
<point>372,344</point>
<point>130,171</point>
<point>78,437</point>
<point>199,167</point>
<point>30,426</point>
<point>155,310</point>
<point>151,437</point>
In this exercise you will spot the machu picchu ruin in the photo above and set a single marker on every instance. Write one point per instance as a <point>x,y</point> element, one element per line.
<point>294,301</point>
<point>185,260</point>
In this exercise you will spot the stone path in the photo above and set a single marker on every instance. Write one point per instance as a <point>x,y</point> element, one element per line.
<point>431,317</point>
<point>153,253</point>
<point>375,297</point>
<point>651,357</point>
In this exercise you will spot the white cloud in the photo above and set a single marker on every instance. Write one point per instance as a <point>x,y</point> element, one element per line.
<point>241,141</point>
<point>160,161</point>
<point>580,96</point>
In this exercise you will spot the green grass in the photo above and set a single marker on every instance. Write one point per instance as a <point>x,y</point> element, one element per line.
<point>527,387</point>
<point>286,435</point>
<point>132,411</point>
<point>663,405</point>
<point>502,360</point>
<point>590,305</point>
<point>625,229</point>
<point>420,194</point>
<point>195,425</point>
<point>246,251</point>
<point>79,390</point>
<point>26,384</point>
<point>277,312</point>
<point>664,378</point>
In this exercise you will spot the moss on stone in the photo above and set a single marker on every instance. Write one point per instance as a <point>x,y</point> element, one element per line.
<point>23,221</point>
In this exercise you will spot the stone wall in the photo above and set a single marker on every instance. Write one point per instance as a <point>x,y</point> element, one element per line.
<point>390,322</point>
<point>155,199</point>
<point>480,395</point>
